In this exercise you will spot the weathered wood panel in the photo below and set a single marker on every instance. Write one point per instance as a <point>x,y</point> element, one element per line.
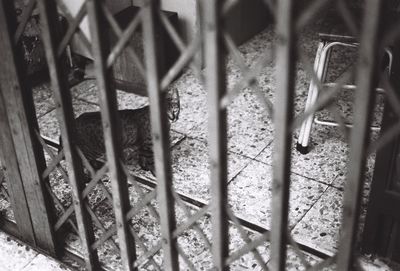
<point>22,121</point>
<point>14,180</point>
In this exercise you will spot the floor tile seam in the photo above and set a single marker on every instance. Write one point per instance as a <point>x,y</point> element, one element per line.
<point>205,140</point>
<point>249,157</point>
<point>178,132</point>
<point>86,101</point>
<point>331,185</point>
<point>50,110</point>
<point>366,197</point>
<point>338,175</point>
<point>72,89</point>
<point>29,262</point>
<point>300,175</point>
<point>229,151</point>
<point>312,206</point>
<point>198,128</point>
<point>250,160</point>
<point>46,112</point>
<point>311,178</point>
<point>237,174</point>
<point>176,144</point>
<point>295,173</point>
<point>260,160</point>
<point>322,194</point>
<point>246,157</point>
<point>254,158</point>
<point>337,187</point>
<point>75,88</point>
<point>227,136</point>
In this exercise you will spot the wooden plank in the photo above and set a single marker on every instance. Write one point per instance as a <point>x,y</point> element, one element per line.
<point>160,130</point>
<point>216,88</point>
<point>62,96</point>
<point>14,181</point>
<point>364,96</point>
<point>282,137</point>
<point>23,123</point>
<point>108,105</point>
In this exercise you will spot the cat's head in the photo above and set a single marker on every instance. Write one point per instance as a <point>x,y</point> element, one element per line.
<point>173,104</point>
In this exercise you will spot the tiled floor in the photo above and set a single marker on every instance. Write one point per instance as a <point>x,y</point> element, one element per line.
<point>17,257</point>
<point>317,178</point>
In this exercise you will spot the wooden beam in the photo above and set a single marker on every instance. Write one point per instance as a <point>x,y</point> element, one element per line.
<point>22,120</point>
<point>14,181</point>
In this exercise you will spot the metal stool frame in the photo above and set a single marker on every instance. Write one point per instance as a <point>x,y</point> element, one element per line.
<point>320,67</point>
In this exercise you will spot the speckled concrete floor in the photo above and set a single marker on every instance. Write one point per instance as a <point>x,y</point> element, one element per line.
<point>17,257</point>
<point>317,178</point>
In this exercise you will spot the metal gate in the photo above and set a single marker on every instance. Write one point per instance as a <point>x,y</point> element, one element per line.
<point>40,219</point>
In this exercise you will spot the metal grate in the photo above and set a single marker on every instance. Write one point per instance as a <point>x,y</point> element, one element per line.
<point>42,216</point>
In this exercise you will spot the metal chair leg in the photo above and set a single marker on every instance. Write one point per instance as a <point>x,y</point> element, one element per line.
<point>321,59</point>
<point>320,67</point>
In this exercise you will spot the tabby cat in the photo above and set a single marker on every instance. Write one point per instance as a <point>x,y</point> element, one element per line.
<point>135,134</point>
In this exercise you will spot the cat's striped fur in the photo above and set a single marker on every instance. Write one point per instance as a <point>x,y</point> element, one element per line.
<point>135,135</point>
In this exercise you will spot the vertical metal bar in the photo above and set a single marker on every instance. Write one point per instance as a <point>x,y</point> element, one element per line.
<point>364,97</point>
<point>216,87</point>
<point>159,124</point>
<point>59,76</point>
<point>22,120</point>
<point>282,140</point>
<point>108,104</point>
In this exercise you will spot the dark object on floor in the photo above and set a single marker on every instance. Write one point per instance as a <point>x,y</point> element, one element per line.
<point>125,67</point>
